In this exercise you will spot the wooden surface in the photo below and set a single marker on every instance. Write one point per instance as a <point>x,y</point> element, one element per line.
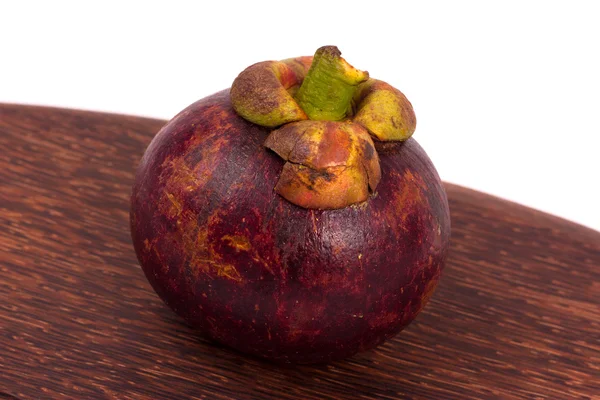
<point>516,316</point>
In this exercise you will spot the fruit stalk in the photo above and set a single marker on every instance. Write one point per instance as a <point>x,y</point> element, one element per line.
<point>329,86</point>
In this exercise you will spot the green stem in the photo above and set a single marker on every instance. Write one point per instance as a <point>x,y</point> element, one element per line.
<point>327,90</point>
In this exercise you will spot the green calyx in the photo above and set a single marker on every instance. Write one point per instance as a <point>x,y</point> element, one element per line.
<point>321,88</point>
<point>329,86</point>
<point>325,115</point>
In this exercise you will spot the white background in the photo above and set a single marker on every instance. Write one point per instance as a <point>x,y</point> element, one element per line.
<point>507,94</point>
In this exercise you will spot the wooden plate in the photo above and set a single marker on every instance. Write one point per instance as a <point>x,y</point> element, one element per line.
<point>516,316</point>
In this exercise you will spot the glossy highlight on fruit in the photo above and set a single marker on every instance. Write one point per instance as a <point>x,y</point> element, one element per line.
<point>294,234</point>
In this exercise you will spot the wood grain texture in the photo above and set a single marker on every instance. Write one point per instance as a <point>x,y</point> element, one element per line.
<point>516,316</point>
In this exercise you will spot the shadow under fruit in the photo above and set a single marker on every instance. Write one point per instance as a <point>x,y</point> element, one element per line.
<point>292,217</point>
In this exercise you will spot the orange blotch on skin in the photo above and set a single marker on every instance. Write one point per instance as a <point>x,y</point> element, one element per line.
<point>200,254</point>
<point>228,271</point>
<point>176,205</point>
<point>179,178</point>
<point>179,181</point>
<point>238,242</point>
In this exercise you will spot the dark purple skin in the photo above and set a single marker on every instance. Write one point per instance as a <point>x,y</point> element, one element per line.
<point>255,272</point>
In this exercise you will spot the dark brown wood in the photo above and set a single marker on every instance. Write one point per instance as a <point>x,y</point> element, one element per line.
<point>516,316</point>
